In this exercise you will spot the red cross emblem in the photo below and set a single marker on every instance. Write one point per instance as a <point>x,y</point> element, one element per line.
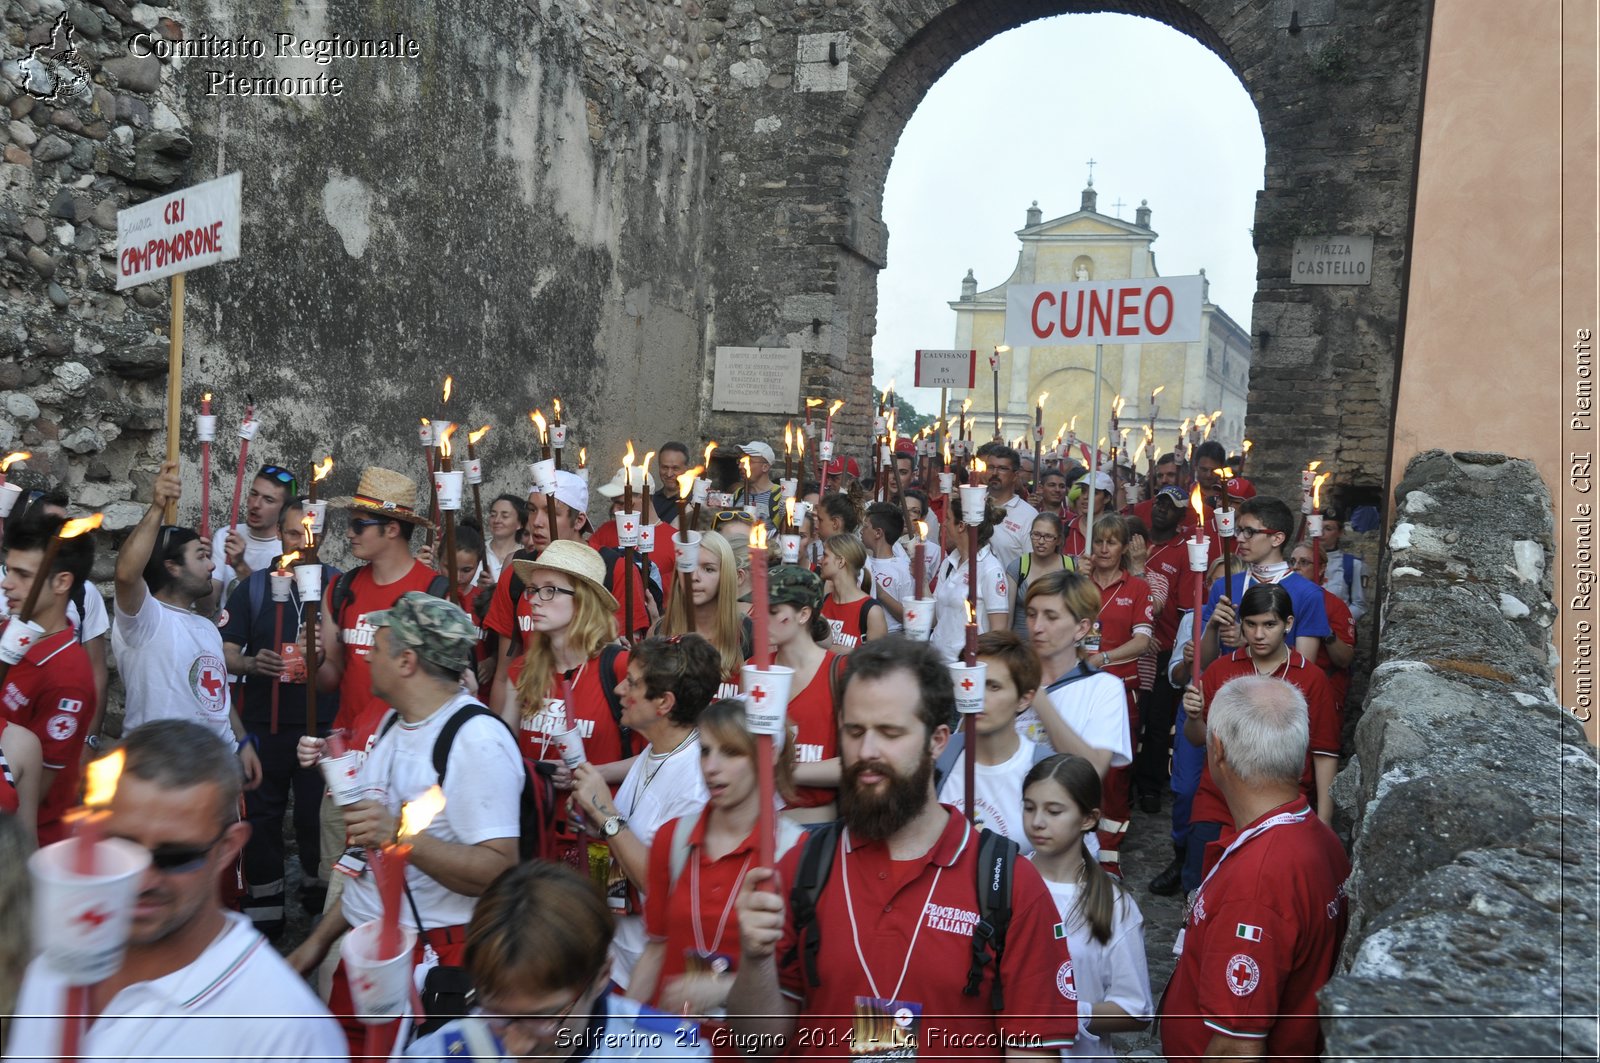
<point>1243,975</point>
<point>211,683</point>
<point>24,640</point>
<point>93,917</point>
<point>911,614</point>
<point>757,695</point>
<point>365,984</point>
<point>967,685</point>
<point>628,527</point>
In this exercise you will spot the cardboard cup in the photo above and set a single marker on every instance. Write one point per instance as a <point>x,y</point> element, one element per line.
<point>569,744</point>
<point>880,425</point>
<point>1224,522</point>
<point>766,697</point>
<point>439,429</point>
<point>544,475</point>
<point>309,579</point>
<point>17,637</point>
<point>281,585</point>
<point>973,501</point>
<point>425,434</point>
<point>558,436</point>
<point>318,512</point>
<point>80,922</point>
<point>1130,494</point>
<point>1308,479</point>
<point>628,530</point>
<point>702,488</point>
<point>340,773</point>
<point>919,619</point>
<point>969,681</point>
<point>686,553</point>
<point>791,548</point>
<point>473,467</point>
<point>1199,554</point>
<point>379,985</point>
<point>789,487</point>
<point>647,538</point>
<point>802,510</point>
<point>885,455</point>
<point>248,429</point>
<point>1314,526</point>
<point>825,450</point>
<point>947,482</point>
<point>449,485</point>
<point>9,493</point>
<point>205,427</point>
<point>1305,503</point>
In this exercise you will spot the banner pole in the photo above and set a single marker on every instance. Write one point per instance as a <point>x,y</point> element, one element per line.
<point>174,383</point>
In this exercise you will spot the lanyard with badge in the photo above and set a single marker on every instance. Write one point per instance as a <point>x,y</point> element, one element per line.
<point>1198,904</point>
<point>705,958</point>
<point>885,1027</point>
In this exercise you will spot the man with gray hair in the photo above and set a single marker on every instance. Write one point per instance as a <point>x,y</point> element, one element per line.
<point>1264,928</point>
<point>197,982</point>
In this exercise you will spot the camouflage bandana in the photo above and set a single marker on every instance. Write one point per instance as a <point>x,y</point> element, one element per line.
<point>437,629</point>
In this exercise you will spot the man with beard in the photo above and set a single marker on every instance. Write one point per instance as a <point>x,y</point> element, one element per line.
<point>890,937</point>
<point>197,982</point>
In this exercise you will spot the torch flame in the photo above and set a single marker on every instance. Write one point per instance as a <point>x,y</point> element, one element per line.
<point>758,536</point>
<point>788,510</point>
<point>74,528</point>
<point>207,396</point>
<point>788,438</point>
<point>416,815</point>
<point>711,449</point>
<point>1072,425</point>
<point>102,785</point>
<point>473,437</point>
<point>627,459</point>
<point>972,618</point>
<point>444,439</point>
<point>1157,391</point>
<point>1042,396</point>
<point>1183,429</point>
<point>1225,473</point>
<point>979,466</point>
<point>537,417</point>
<point>1314,466</point>
<point>288,559</point>
<point>744,465</point>
<point>838,404</point>
<point>815,402</point>
<point>1139,453</point>
<point>965,406</point>
<point>583,456</point>
<point>1197,502</point>
<point>305,523</point>
<point>1316,491</point>
<point>922,530</point>
<point>12,458</point>
<point>1247,445</point>
<point>557,403</point>
<point>449,382</point>
<point>686,481</point>
<point>1216,415</point>
<point>320,471</point>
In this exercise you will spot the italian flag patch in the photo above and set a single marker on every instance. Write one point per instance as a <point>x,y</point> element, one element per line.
<point>1248,932</point>
<point>1059,931</point>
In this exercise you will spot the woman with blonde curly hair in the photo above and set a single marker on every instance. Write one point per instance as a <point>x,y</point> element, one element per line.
<point>716,613</point>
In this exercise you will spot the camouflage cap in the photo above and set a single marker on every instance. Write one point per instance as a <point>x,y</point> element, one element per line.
<point>436,628</point>
<point>796,586</point>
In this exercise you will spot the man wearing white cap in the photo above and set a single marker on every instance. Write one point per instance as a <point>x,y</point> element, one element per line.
<point>757,489</point>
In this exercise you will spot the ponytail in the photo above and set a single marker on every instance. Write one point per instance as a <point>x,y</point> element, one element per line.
<point>1097,900</point>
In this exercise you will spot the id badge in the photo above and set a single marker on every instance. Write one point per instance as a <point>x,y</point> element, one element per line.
<point>352,863</point>
<point>294,664</point>
<point>697,962</point>
<point>886,1029</point>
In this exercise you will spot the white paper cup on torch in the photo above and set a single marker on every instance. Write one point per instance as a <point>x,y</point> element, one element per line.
<point>1224,522</point>
<point>558,436</point>
<point>973,501</point>
<point>1314,526</point>
<point>380,986</point>
<point>17,637</point>
<point>248,429</point>
<point>1130,493</point>
<point>825,450</point>
<point>766,697</point>
<point>318,512</point>
<point>627,530</point>
<point>919,619</point>
<point>885,455</point>
<point>1305,503</point>
<point>544,475</point>
<point>880,425</point>
<point>686,552</point>
<point>9,493</point>
<point>697,495</point>
<point>791,548</point>
<point>425,434</point>
<point>439,429</point>
<point>802,510</point>
<point>205,428</point>
<point>473,467</point>
<point>80,922</point>
<point>1199,554</point>
<point>969,680</point>
<point>309,579</point>
<point>569,744</point>
<point>281,585</point>
<point>449,486</point>
<point>947,482</point>
<point>341,774</point>
<point>647,538</point>
<point>789,487</point>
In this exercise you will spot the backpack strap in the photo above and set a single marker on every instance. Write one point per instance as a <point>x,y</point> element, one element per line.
<point>258,596</point>
<point>867,605</point>
<point>1348,560</point>
<point>816,863</point>
<point>341,594</point>
<point>608,670</point>
<point>439,586</point>
<point>1023,565</point>
<point>682,830</point>
<point>947,760</point>
<point>997,857</point>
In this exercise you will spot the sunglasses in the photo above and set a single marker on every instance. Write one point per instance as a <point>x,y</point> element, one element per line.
<point>182,859</point>
<point>361,524</point>
<point>732,516</point>
<point>282,476</point>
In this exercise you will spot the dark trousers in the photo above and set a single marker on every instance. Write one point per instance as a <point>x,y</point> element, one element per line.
<point>1194,854</point>
<point>264,854</point>
<point>1152,765</point>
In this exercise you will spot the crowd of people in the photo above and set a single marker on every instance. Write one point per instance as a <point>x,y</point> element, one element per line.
<point>592,884</point>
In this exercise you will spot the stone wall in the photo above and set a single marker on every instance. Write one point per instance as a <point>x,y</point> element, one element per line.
<point>1471,798</point>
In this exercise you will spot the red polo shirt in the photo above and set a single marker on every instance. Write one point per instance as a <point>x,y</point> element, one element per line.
<point>51,693</point>
<point>1209,806</point>
<point>705,891</point>
<point>1262,938</point>
<point>916,917</point>
<point>590,710</point>
<point>1164,569</point>
<point>1126,609</point>
<point>816,736</point>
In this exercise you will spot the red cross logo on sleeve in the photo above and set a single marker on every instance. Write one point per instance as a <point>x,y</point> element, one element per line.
<point>92,917</point>
<point>1244,974</point>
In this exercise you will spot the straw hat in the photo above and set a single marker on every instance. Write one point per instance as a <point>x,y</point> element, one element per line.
<point>385,493</point>
<point>570,558</point>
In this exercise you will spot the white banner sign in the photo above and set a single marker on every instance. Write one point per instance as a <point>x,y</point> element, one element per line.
<point>196,227</point>
<point>1144,310</point>
<point>946,369</point>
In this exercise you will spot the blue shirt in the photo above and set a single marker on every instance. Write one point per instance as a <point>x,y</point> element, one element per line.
<point>1310,614</point>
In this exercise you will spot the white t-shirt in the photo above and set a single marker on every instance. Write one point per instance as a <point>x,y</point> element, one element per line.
<point>950,598</point>
<point>656,789</point>
<point>258,554</point>
<point>94,620</point>
<point>998,801</point>
<point>238,1000</point>
<point>172,666</point>
<point>1011,535</point>
<point>1096,708</point>
<point>892,575</point>
<point>1353,593</point>
<point>932,554</point>
<point>482,801</point>
<point>1114,972</point>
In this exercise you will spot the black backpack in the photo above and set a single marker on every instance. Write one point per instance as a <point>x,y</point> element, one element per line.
<point>537,814</point>
<point>997,858</point>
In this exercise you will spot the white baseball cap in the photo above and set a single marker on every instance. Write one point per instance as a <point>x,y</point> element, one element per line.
<point>757,449</point>
<point>572,491</point>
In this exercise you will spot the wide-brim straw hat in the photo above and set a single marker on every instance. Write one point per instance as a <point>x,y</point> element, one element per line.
<point>385,493</point>
<point>573,559</point>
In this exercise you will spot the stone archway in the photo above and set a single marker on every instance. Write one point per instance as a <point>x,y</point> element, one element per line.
<point>820,97</point>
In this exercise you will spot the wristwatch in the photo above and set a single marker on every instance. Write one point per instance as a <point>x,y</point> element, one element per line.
<point>93,742</point>
<point>613,826</point>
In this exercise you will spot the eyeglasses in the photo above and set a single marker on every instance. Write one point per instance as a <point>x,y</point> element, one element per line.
<point>1043,536</point>
<point>1000,468</point>
<point>361,524</point>
<point>281,475</point>
<point>531,1025</point>
<point>182,859</point>
<point>1247,534</point>
<point>1299,562</point>
<point>546,594</point>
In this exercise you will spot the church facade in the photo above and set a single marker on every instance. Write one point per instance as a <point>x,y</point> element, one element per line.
<point>1201,377</point>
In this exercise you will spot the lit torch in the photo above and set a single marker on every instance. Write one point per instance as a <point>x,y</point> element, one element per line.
<point>474,472</point>
<point>9,493</point>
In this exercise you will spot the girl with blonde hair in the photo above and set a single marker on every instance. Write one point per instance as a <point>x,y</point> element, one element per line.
<point>853,614</point>
<point>716,612</point>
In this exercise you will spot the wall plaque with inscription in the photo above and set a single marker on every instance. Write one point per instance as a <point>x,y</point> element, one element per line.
<point>1332,260</point>
<point>756,380</point>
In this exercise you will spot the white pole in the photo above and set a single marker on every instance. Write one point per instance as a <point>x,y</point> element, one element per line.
<point>1094,449</point>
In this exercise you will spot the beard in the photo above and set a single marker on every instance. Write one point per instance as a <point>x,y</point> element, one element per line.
<point>875,815</point>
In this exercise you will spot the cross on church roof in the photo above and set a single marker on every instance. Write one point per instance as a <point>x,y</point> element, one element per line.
<point>1118,205</point>
<point>1091,172</point>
